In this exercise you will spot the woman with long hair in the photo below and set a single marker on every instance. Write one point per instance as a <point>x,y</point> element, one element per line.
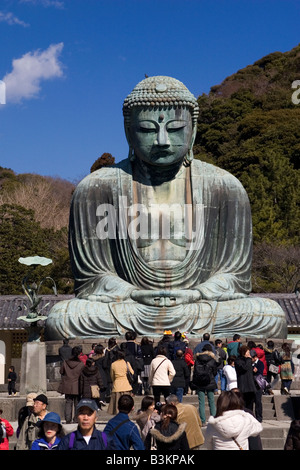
<point>231,427</point>
<point>168,434</point>
<point>286,369</point>
<point>147,417</point>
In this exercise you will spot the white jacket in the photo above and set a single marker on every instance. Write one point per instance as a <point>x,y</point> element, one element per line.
<point>162,371</point>
<point>230,374</point>
<point>233,423</point>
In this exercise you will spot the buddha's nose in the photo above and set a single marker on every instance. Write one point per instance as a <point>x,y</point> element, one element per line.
<point>162,137</point>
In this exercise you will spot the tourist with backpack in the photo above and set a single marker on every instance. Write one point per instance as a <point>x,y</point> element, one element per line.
<point>87,436</point>
<point>205,370</point>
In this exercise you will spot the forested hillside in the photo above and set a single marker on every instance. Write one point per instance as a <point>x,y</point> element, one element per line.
<point>247,125</point>
<point>34,213</point>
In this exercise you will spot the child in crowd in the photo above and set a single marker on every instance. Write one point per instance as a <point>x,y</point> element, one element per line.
<point>12,378</point>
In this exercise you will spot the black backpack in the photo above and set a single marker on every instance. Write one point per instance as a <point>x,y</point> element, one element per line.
<point>201,375</point>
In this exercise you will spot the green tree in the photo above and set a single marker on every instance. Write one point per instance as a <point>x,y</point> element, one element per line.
<point>20,236</point>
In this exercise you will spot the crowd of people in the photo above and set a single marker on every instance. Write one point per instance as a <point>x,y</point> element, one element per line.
<point>171,369</point>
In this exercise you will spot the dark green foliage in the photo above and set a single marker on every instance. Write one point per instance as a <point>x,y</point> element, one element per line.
<point>22,236</point>
<point>249,126</point>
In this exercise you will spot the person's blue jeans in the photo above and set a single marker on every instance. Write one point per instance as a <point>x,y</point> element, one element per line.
<point>211,404</point>
<point>178,391</point>
<point>222,379</point>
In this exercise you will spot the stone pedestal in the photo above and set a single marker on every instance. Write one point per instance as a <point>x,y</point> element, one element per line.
<point>33,368</point>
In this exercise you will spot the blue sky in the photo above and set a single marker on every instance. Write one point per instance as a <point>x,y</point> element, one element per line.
<point>69,64</point>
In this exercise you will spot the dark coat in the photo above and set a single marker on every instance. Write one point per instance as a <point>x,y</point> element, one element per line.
<point>70,371</point>
<point>182,373</point>
<point>111,355</point>
<point>95,443</point>
<point>147,353</point>
<point>293,438</point>
<point>259,366</point>
<point>170,439</point>
<point>175,346</point>
<point>208,358</point>
<point>90,375</point>
<point>272,357</point>
<point>65,352</point>
<point>244,372</point>
<point>102,365</point>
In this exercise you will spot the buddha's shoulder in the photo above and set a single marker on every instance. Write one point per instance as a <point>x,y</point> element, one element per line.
<point>207,170</point>
<point>107,175</point>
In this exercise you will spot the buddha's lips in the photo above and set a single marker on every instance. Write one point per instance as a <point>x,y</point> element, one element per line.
<point>161,153</point>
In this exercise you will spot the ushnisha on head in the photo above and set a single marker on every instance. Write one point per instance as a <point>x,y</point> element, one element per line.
<point>160,119</point>
<point>159,92</point>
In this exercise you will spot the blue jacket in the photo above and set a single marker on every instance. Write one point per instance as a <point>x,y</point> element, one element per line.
<point>126,435</point>
<point>95,443</point>
<point>259,366</point>
<point>42,444</point>
<point>199,346</point>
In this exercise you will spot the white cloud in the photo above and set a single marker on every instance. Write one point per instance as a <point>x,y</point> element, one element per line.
<point>24,81</point>
<point>11,19</point>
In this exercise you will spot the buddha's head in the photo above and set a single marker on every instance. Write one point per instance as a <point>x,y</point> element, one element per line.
<point>160,118</point>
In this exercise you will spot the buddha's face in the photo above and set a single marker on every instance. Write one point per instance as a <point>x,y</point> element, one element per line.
<point>161,136</point>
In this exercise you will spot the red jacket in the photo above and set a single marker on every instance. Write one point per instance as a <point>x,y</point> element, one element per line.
<point>262,357</point>
<point>4,445</point>
<point>189,357</point>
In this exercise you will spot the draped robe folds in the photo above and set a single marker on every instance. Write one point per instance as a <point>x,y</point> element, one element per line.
<point>108,270</point>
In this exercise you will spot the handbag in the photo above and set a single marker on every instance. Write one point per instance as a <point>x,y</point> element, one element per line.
<point>237,443</point>
<point>274,369</point>
<point>95,391</point>
<point>129,375</point>
<point>261,381</point>
<point>286,372</point>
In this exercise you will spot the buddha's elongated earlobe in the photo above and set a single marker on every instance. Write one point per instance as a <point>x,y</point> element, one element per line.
<point>131,154</point>
<point>190,155</point>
